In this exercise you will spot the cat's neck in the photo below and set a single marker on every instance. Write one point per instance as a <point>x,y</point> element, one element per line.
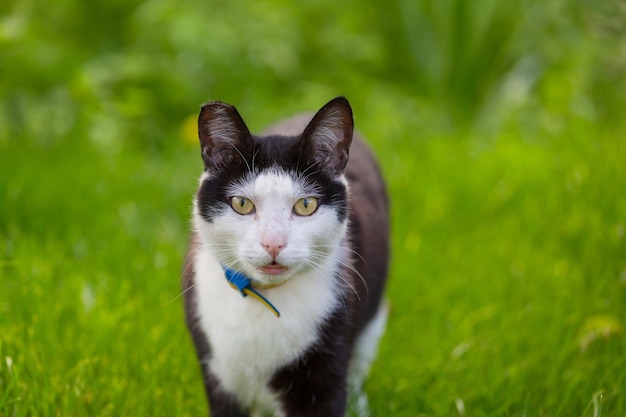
<point>248,287</point>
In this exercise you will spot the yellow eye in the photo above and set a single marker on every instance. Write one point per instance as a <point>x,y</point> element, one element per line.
<point>305,206</point>
<point>242,205</point>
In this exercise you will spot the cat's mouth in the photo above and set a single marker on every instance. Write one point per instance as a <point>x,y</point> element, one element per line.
<point>273,269</point>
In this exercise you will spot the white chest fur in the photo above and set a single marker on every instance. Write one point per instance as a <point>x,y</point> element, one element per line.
<point>248,343</point>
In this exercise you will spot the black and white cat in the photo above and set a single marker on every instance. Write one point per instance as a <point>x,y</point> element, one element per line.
<point>285,272</point>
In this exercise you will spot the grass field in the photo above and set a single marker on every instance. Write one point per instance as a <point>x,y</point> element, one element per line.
<point>501,135</point>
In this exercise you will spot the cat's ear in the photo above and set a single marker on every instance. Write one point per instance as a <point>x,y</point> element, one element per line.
<point>224,137</point>
<point>327,138</point>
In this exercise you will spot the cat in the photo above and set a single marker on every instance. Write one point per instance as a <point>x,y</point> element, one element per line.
<point>287,264</point>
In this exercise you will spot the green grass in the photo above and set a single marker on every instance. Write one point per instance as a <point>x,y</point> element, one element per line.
<point>509,281</point>
<point>500,133</point>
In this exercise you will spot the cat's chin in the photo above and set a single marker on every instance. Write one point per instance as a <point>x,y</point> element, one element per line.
<point>273,275</point>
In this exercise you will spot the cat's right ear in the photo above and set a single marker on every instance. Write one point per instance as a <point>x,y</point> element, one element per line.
<point>224,137</point>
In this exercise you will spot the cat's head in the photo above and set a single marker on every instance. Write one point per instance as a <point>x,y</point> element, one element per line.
<point>273,206</point>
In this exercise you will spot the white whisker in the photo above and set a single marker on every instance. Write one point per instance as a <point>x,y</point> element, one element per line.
<point>242,157</point>
<point>328,276</point>
<point>316,256</point>
<point>342,247</point>
<point>181,294</point>
<point>340,261</point>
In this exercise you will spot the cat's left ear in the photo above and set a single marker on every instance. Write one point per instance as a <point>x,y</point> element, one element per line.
<point>224,136</point>
<point>327,138</point>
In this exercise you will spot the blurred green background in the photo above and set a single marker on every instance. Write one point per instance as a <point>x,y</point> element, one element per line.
<point>500,128</point>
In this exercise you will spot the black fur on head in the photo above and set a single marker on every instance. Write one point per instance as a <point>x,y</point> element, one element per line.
<point>230,153</point>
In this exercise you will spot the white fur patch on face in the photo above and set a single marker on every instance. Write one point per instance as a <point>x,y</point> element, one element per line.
<point>238,240</point>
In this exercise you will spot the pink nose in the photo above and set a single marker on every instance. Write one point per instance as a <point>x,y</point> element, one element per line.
<point>273,247</point>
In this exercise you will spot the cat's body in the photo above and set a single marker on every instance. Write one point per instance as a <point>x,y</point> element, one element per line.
<point>311,240</point>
